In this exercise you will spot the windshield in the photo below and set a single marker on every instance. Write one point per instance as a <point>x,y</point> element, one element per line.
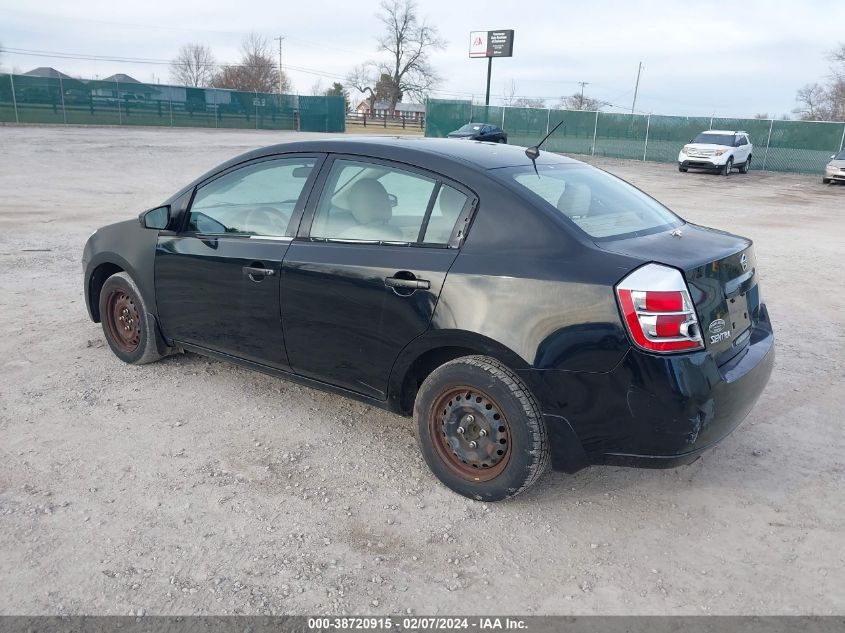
<point>714,139</point>
<point>471,127</point>
<point>840,155</point>
<point>601,205</point>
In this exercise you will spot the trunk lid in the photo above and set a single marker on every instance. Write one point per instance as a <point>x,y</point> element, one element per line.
<point>721,272</point>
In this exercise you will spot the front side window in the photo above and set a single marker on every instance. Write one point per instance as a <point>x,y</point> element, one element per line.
<point>372,202</point>
<point>601,205</point>
<point>256,200</point>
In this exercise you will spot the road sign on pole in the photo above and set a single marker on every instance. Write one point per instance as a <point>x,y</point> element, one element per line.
<point>491,44</point>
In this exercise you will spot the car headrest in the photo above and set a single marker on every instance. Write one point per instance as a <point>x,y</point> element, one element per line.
<point>369,202</point>
<point>575,199</point>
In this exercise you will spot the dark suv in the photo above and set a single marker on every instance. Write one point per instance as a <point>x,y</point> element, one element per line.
<point>523,311</point>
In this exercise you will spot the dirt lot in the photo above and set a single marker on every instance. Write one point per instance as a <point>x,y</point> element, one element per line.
<point>194,487</point>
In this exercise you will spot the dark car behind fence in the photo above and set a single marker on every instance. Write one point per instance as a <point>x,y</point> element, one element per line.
<point>64,100</point>
<point>793,146</point>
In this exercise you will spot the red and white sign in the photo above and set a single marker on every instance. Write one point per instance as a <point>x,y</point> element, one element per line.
<point>478,44</point>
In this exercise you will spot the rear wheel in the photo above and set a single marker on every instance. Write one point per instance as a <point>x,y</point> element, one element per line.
<point>480,429</point>
<point>127,325</point>
<point>746,166</point>
<point>726,169</point>
<point>501,140</point>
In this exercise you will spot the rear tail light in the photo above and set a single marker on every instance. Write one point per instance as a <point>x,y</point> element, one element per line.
<point>658,311</point>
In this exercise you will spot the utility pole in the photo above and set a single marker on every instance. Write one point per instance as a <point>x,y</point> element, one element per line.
<point>637,88</point>
<point>280,38</point>
<point>581,103</point>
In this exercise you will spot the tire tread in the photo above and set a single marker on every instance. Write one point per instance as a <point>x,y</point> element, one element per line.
<point>540,451</point>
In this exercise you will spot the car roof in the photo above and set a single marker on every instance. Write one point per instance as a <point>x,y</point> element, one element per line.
<point>731,132</point>
<point>416,149</point>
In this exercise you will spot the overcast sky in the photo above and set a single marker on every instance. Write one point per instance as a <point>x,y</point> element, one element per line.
<point>700,58</point>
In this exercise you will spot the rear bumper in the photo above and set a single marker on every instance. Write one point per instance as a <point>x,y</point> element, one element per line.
<point>654,411</point>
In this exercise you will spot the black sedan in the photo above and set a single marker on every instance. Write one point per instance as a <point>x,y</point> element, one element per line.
<point>524,312</point>
<point>480,132</point>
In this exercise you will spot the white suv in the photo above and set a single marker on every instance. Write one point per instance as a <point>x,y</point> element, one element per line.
<point>719,150</point>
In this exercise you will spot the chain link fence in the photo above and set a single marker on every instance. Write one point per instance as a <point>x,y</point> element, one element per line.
<point>64,100</point>
<point>792,146</point>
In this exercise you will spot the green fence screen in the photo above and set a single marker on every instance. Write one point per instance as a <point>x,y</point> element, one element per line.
<point>28,99</point>
<point>793,146</point>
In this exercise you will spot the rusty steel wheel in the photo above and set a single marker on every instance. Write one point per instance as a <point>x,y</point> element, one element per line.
<point>123,320</point>
<point>480,429</point>
<point>129,328</point>
<point>471,434</point>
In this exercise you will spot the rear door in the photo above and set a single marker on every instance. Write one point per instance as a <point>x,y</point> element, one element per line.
<point>217,280</point>
<point>363,277</point>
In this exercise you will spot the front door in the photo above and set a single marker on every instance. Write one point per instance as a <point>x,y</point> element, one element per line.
<point>362,279</point>
<point>217,280</point>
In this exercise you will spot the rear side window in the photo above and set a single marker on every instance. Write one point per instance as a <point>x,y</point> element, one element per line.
<point>257,199</point>
<point>601,205</point>
<point>371,202</point>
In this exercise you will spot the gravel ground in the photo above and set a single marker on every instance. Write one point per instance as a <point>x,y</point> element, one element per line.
<point>195,487</point>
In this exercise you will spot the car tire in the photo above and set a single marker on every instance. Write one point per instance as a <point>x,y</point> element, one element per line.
<point>727,167</point>
<point>501,140</point>
<point>826,181</point>
<point>480,429</point>
<point>129,328</point>
<point>746,166</point>
<point>682,168</point>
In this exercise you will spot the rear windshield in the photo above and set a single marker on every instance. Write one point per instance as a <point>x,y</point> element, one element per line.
<point>601,205</point>
<point>714,139</point>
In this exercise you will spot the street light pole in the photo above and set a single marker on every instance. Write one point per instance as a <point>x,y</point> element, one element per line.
<point>280,38</point>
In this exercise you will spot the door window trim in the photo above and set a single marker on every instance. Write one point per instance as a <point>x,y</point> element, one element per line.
<point>459,230</point>
<point>296,214</point>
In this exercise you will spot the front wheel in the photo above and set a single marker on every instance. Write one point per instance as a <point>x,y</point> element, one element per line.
<point>480,429</point>
<point>826,181</point>
<point>682,168</point>
<point>726,169</point>
<point>128,326</point>
<point>746,166</point>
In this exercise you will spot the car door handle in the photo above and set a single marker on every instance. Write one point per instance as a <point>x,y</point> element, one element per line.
<point>255,271</point>
<point>415,284</point>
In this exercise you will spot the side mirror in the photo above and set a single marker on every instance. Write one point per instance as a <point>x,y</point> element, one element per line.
<point>157,218</point>
<point>832,157</point>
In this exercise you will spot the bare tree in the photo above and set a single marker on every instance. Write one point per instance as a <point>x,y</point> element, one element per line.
<point>363,78</point>
<point>193,66</point>
<point>817,102</point>
<point>257,70</point>
<point>509,94</point>
<point>408,40</point>
<point>578,101</point>
<point>317,88</point>
<point>528,102</point>
<point>812,103</point>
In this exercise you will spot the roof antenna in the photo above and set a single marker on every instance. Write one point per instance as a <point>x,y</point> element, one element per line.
<point>533,152</point>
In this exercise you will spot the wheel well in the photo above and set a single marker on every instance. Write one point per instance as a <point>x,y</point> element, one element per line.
<point>95,285</point>
<point>422,367</point>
